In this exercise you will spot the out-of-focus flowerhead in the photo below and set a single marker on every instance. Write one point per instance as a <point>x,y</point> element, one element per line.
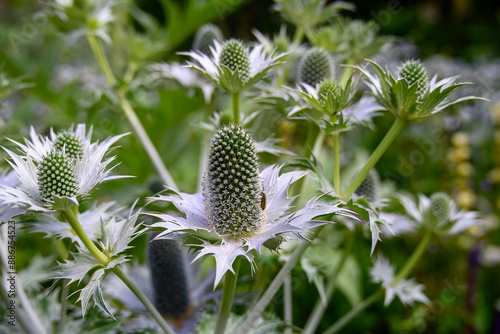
<point>309,13</point>
<point>56,172</point>
<point>205,37</point>
<point>370,187</point>
<point>439,213</point>
<point>232,66</point>
<point>316,65</point>
<point>409,95</point>
<point>7,210</point>
<point>240,209</point>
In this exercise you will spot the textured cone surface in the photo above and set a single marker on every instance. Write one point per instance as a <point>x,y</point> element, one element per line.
<point>232,189</point>
<point>56,176</point>
<point>440,207</point>
<point>205,38</point>
<point>168,277</point>
<point>71,144</point>
<point>325,88</point>
<point>315,67</point>
<point>234,55</point>
<point>370,187</point>
<point>414,72</point>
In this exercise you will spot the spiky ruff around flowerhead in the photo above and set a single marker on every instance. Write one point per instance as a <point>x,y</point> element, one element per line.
<point>327,87</point>
<point>440,208</point>
<point>168,278</point>
<point>232,187</point>
<point>70,143</point>
<point>234,55</point>
<point>415,73</point>
<point>316,66</point>
<point>205,37</point>
<point>56,176</point>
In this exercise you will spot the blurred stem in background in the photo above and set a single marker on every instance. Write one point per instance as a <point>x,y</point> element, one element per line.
<point>403,273</point>
<point>236,108</point>
<point>139,130</point>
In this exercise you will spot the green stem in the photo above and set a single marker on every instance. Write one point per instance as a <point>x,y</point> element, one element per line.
<point>227,297</point>
<point>320,307</point>
<point>403,273</point>
<point>236,108</point>
<point>62,311</point>
<point>376,155</point>
<point>287,301</point>
<point>274,286</point>
<point>336,168</point>
<point>318,145</point>
<point>145,140</point>
<point>71,218</point>
<point>144,300</point>
<point>100,56</point>
<point>299,35</point>
<point>101,59</point>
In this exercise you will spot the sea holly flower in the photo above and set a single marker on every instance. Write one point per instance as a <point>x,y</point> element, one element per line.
<point>56,172</point>
<point>240,209</point>
<point>232,66</point>
<point>406,290</point>
<point>205,37</point>
<point>439,213</point>
<point>315,66</point>
<point>410,95</point>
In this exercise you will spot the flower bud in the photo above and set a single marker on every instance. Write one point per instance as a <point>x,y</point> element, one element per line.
<point>414,72</point>
<point>168,278</point>
<point>235,56</point>
<point>370,187</point>
<point>440,207</point>
<point>56,176</point>
<point>325,88</point>
<point>316,66</point>
<point>72,145</point>
<point>232,189</point>
<point>205,37</point>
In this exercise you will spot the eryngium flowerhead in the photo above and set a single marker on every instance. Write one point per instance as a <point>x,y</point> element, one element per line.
<point>439,213</point>
<point>370,187</point>
<point>408,95</point>
<point>205,37</point>
<point>231,66</point>
<point>240,209</point>
<point>315,66</point>
<point>232,189</point>
<point>328,87</point>
<point>168,278</point>
<point>51,168</point>
<point>415,73</point>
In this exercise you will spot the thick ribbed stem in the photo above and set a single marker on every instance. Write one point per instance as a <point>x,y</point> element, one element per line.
<point>227,297</point>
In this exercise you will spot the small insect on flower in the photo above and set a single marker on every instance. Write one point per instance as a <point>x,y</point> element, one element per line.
<point>240,209</point>
<point>66,166</point>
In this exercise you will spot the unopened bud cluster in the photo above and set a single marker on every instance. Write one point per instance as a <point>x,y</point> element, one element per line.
<point>415,73</point>
<point>440,208</point>
<point>327,87</point>
<point>232,186</point>
<point>205,38</point>
<point>70,143</point>
<point>235,56</point>
<point>315,67</point>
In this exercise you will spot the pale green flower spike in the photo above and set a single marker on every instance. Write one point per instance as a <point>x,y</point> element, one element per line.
<point>205,37</point>
<point>56,176</point>
<point>315,66</point>
<point>235,57</point>
<point>71,145</point>
<point>408,95</point>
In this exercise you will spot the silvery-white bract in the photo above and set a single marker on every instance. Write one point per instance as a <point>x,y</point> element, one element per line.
<point>277,221</point>
<point>7,210</point>
<point>90,170</point>
<point>406,290</point>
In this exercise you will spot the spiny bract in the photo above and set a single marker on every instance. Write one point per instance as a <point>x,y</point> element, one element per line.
<point>56,176</point>
<point>232,188</point>
<point>315,67</point>
<point>325,88</point>
<point>235,56</point>
<point>72,145</point>
<point>440,207</point>
<point>168,277</point>
<point>205,37</point>
<point>414,72</point>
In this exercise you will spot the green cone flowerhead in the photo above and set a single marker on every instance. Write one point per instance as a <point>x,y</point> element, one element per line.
<point>71,143</point>
<point>168,278</point>
<point>235,56</point>
<point>414,72</point>
<point>232,188</point>
<point>440,207</point>
<point>316,66</point>
<point>325,88</point>
<point>370,187</point>
<point>205,37</point>
<point>56,176</point>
